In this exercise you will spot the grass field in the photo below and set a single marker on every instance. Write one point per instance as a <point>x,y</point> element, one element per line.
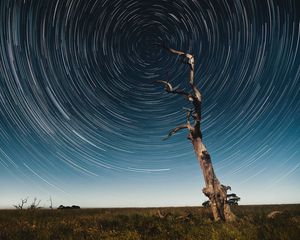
<point>131,224</point>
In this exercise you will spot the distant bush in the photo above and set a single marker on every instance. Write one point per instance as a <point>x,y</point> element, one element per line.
<point>232,199</point>
<point>68,207</point>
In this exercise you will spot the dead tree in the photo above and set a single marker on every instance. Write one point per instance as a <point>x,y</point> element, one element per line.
<point>35,204</point>
<point>20,206</point>
<point>51,205</point>
<point>214,190</point>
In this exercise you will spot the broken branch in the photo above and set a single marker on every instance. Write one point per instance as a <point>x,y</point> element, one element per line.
<point>170,89</point>
<point>175,130</point>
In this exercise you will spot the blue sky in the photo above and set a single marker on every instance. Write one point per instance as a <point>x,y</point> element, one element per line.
<point>82,121</point>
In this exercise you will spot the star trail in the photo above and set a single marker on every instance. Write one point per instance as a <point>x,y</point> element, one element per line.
<point>78,103</point>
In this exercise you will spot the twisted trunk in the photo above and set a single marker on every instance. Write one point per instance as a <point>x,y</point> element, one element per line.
<point>214,190</point>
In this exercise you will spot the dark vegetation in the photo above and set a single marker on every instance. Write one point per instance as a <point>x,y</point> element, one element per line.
<point>34,204</point>
<point>68,207</point>
<point>254,222</point>
<point>232,199</point>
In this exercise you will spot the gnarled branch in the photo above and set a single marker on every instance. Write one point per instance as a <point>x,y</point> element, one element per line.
<point>169,88</point>
<point>190,61</point>
<point>183,126</point>
<point>196,97</point>
<point>175,130</point>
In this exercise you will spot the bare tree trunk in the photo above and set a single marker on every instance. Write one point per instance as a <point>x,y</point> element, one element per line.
<point>216,192</point>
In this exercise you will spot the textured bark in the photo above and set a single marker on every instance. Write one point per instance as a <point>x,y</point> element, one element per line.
<point>214,190</point>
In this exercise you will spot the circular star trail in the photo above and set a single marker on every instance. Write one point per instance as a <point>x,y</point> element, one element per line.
<point>77,92</point>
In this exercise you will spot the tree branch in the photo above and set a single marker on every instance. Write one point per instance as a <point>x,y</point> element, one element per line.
<point>191,62</point>
<point>187,125</point>
<point>181,92</point>
<point>175,130</point>
<point>188,114</point>
<point>169,89</point>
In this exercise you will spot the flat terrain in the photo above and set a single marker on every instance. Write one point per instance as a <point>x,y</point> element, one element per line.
<point>169,223</point>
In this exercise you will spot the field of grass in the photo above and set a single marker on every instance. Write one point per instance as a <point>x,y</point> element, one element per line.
<point>131,224</point>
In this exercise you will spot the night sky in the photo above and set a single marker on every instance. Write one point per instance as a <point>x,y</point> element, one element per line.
<point>82,121</point>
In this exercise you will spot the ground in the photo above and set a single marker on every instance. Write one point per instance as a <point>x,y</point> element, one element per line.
<point>132,224</point>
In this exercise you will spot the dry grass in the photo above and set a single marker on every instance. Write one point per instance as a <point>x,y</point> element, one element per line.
<point>179,223</point>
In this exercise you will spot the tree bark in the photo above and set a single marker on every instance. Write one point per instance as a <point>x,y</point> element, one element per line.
<point>214,190</point>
